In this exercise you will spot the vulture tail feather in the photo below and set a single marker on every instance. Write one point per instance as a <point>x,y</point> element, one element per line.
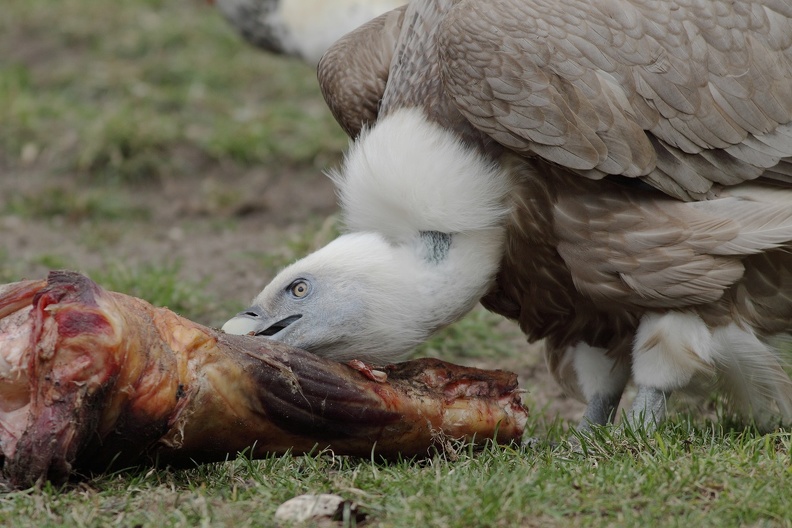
<point>754,376</point>
<point>760,224</point>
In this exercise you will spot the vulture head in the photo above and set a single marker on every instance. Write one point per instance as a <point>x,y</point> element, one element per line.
<point>419,253</point>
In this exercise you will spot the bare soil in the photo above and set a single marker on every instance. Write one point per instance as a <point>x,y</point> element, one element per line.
<point>179,223</point>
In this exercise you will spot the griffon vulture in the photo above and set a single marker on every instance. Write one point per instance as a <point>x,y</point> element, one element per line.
<point>300,28</point>
<point>615,175</point>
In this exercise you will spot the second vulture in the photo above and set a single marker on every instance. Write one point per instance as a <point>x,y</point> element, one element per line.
<point>299,28</point>
<point>616,176</point>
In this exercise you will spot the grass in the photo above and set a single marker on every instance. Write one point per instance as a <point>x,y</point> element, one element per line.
<point>160,285</point>
<point>73,205</point>
<point>682,475</point>
<point>104,107</point>
<point>152,76</point>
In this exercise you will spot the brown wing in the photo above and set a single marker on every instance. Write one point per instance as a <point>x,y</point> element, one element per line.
<point>353,72</point>
<point>631,248</point>
<point>683,96</point>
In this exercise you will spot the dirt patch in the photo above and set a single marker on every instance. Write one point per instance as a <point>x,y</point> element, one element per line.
<point>214,241</point>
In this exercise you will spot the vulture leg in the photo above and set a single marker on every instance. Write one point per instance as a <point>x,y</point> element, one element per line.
<point>601,379</point>
<point>669,350</point>
<point>648,409</point>
<point>601,410</point>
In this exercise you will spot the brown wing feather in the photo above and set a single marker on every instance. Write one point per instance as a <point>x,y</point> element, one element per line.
<point>354,71</point>
<point>645,252</point>
<point>638,88</point>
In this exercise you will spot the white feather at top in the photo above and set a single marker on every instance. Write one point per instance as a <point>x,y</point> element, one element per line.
<point>441,186</point>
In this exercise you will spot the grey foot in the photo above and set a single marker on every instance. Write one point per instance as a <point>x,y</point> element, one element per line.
<point>648,409</point>
<point>601,410</point>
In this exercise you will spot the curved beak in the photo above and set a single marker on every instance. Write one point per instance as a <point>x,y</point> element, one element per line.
<point>253,321</point>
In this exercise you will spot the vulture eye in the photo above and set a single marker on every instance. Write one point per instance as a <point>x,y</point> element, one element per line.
<point>299,288</point>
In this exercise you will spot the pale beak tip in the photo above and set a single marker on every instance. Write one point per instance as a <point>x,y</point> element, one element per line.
<point>240,325</point>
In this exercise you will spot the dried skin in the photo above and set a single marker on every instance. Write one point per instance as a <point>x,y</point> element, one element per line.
<point>90,378</point>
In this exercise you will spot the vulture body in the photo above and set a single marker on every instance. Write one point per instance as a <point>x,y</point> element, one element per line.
<point>615,176</point>
<point>300,28</point>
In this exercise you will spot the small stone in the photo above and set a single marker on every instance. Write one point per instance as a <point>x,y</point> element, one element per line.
<point>317,508</point>
<point>29,154</point>
<point>176,234</point>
